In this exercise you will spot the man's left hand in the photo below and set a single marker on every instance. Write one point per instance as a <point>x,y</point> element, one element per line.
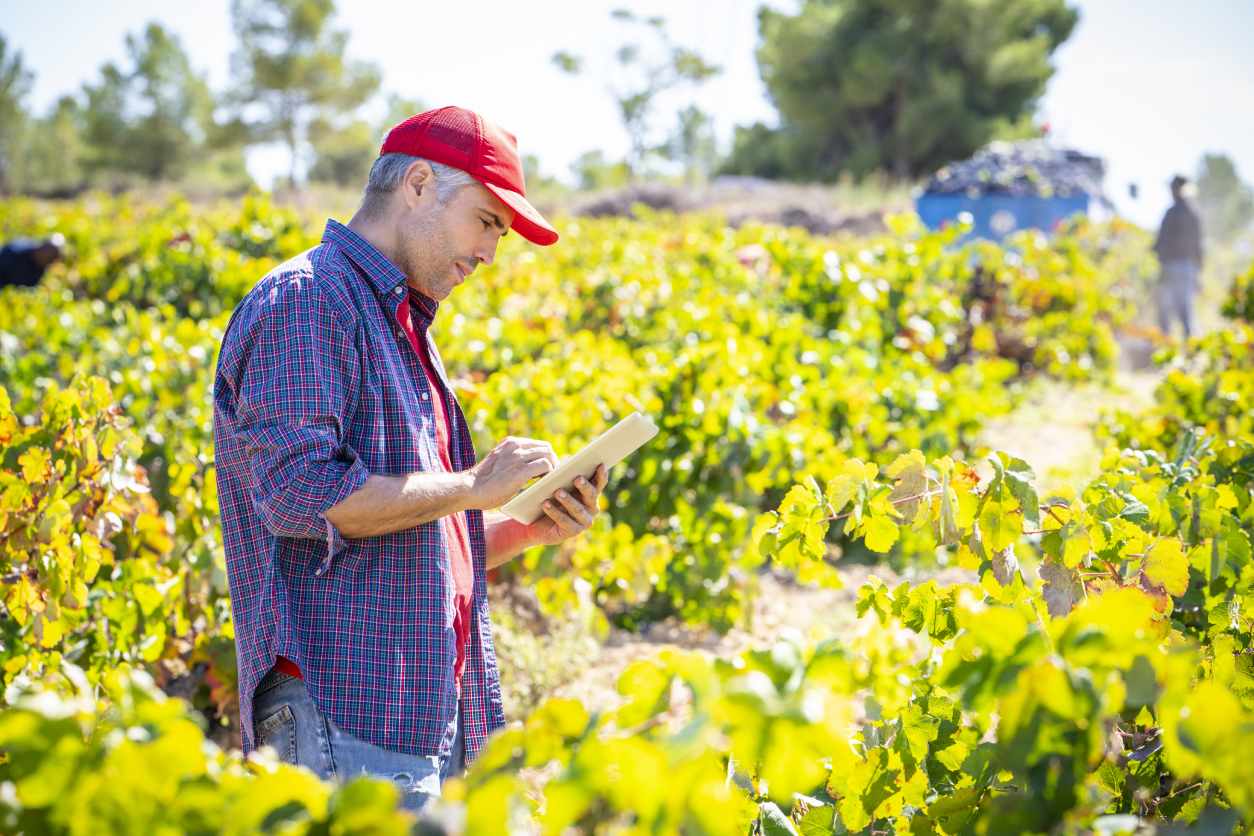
<point>570,512</point>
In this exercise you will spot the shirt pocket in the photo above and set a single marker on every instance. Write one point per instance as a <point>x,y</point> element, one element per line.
<point>391,422</point>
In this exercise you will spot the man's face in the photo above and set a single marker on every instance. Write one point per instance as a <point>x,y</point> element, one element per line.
<point>442,244</point>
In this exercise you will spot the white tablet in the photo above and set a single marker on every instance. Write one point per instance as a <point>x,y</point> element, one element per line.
<point>609,448</point>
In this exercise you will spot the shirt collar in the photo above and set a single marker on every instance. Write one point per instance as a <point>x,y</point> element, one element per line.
<point>384,276</point>
<point>424,307</point>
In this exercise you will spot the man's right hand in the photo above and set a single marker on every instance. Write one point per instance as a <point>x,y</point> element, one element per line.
<point>502,473</point>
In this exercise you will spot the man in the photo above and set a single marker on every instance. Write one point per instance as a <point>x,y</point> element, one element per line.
<point>1179,250</point>
<point>353,507</point>
<point>23,261</point>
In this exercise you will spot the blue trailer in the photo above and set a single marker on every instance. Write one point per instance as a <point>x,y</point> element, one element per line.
<point>1011,186</point>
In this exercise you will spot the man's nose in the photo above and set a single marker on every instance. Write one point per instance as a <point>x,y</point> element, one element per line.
<point>486,252</point>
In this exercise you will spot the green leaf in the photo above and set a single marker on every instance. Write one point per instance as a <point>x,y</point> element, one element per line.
<point>1133,510</point>
<point>952,756</point>
<point>1142,683</point>
<point>645,684</point>
<point>1019,477</point>
<point>1111,778</point>
<point>147,596</point>
<point>1231,547</point>
<point>773,821</point>
<point>52,776</point>
<point>853,476</point>
<point>802,528</point>
<point>872,595</point>
<point>818,821</point>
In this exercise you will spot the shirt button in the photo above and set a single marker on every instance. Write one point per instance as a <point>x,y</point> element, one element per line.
<point>399,291</point>
<point>426,396</point>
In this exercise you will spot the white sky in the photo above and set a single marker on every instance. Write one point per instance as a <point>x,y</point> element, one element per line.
<point>1148,84</point>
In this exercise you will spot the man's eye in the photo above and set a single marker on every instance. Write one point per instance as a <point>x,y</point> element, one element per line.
<point>486,224</point>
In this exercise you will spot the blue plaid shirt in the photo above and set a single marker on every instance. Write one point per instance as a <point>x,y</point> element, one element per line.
<point>318,387</point>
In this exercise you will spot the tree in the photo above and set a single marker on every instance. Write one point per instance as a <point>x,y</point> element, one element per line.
<point>902,86</point>
<point>53,151</point>
<point>341,155</point>
<point>643,70</point>
<point>15,83</point>
<point>1226,203</point>
<point>692,144</point>
<point>152,119</point>
<point>399,108</point>
<point>291,70</point>
<point>344,153</point>
<point>593,171</point>
<point>536,179</point>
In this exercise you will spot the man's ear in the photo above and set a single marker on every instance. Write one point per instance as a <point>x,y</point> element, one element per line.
<point>419,178</point>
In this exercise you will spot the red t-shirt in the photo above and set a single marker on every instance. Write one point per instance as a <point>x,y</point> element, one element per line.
<point>456,533</point>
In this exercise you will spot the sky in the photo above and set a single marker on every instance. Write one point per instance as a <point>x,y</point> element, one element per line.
<point>1147,84</point>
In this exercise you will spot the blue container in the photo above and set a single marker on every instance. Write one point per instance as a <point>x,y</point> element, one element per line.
<point>997,215</point>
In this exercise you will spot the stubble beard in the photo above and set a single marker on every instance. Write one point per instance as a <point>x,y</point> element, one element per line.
<point>428,258</point>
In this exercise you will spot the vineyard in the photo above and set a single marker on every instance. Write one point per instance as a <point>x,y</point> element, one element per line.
<point>821,402</point>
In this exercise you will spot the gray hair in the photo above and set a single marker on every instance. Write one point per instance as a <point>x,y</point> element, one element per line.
<point>389,169</point>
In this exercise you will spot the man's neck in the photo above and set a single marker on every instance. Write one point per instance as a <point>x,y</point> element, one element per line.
<point>381,237</point>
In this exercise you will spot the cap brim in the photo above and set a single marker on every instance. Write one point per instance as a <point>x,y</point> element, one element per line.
<point>528,223</point>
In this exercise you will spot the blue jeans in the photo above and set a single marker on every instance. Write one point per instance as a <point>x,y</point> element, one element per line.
<point>286,719</point>
<point>1177,285</point>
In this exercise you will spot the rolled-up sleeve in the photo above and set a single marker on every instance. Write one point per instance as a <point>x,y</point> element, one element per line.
<point>297,382</point>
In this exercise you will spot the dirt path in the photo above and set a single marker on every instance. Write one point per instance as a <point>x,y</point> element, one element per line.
<point>780,607</point>
<point>1052,430</point>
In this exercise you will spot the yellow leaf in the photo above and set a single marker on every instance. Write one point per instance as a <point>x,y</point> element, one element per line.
<point>1227,499</point>
<point>1076,548</point>
<point>999,527</point>
<point>8,421</point>
<point>983,339</point>
<point>90,557</point>
<point>844,486</point>
<point>881,533</point>
<point>966,558</point>
<point>813,573</point>
<point>968,502</point>
<point>48,631</point>
<point>36,465</point>
<point>1166,566</point>
<point>840,490</point>
<point>22,600</point>
<point>911,483</point>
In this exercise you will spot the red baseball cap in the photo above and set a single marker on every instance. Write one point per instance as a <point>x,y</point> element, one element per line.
<point>463,139</point>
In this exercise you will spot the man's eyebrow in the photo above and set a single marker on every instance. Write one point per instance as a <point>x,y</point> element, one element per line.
<point>496,220</point>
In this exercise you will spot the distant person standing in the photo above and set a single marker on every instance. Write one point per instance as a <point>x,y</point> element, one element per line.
<point>1179,250</point>
<point>23,261</point>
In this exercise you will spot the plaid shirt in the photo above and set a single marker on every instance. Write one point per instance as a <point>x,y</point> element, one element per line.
<point>318,387</point>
